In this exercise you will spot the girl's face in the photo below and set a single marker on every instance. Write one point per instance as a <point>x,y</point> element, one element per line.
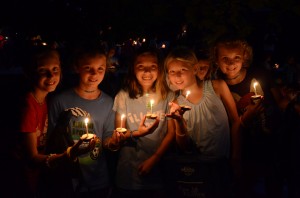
<point>91,72</point>
<point>146,70</point>
<point>203,66</point>
<point>181,74</point>
<point>230,61</point>
<point>49,74</point>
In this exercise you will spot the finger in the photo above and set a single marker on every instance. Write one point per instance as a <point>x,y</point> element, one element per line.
<point>143,121</point>
<point>78,143</point>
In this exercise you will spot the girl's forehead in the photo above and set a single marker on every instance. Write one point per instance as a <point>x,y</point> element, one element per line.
<point>91,59</point>
<point>233,49</point>
<point>54,60</point>
<point>179,63</point>
<point>146,58</point>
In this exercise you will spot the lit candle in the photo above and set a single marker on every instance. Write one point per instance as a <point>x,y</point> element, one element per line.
<point>254,86</point>
<point>121,129</point>
<point>86,126</point>
<point>187,94</point>
<point>151,105</point>
<point>122,116</point>
<point>88,136</point>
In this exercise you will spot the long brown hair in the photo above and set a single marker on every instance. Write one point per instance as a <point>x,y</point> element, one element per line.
<point>159,86</point>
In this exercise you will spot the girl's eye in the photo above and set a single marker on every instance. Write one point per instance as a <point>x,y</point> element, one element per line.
<point>101,69</point>
<point>154,67</point>
<point>171,72</point>
<point>237,58</point>
<point>183,70</point>
<point>42,71</point>
<point>140,67</point>
<point>87,68</point>
<point>225,59</point>
<point>56,69</point>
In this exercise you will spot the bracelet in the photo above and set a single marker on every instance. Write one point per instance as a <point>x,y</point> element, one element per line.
<point>131,136</point>
<point>48,160</point>
<point>69,153</point>
<point>181,135</point>
<point>242,123</point>
<point>116,149</point>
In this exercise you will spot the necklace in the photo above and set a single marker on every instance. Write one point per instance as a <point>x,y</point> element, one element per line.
<point>88,91</point>
<point>35,98</point>
<point>234,77</point>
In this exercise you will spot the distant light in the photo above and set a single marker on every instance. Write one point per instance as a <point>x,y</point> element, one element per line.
<point>144,40</point>
<point>163,46</point>
<point>6,37</point>
<point>44,43</point>
<point>134,42</point>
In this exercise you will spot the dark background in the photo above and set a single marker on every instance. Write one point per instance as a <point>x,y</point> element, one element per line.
<point>119,20</point>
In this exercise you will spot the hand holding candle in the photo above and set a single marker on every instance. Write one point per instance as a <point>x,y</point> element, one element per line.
<point>121,129</point>
<point>186,107</point>
<point>256,96</point>
<point>151,115</point>
<point>88,136</point>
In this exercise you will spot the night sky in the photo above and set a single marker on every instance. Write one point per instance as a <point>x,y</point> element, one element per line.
<point>205,19</point>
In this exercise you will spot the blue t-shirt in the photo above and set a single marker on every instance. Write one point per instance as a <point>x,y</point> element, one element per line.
<point>93,165</point>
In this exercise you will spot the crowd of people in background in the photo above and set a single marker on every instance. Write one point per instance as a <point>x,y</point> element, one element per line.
<point>231,116</point>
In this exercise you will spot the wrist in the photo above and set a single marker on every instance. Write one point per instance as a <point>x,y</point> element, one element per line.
<point>49,160</point>
<point>70,155</point>
<point>111,146</point>
<point>132,135</point>
<point>242,121</point>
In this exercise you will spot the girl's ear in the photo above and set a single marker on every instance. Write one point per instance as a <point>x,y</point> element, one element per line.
<point>196,68</point>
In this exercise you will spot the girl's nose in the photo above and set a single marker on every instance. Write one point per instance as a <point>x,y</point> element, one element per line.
<point>93,71</point>
<point>49,74</point>
<point>146,69</point>
<point>230,62</point>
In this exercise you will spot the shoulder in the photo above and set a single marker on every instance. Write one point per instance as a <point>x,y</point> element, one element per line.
<point>122,94</point>
<point>220,86</point>
<point>106,96</point>
<point>219,83</point>
<point>171,95</point>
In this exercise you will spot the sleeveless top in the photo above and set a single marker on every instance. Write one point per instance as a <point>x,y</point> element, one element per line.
<point>208,124</point>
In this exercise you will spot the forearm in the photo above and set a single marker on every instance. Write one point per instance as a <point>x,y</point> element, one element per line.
<point>182,138</point>
<point>165,144</point>
<point>235,140</point>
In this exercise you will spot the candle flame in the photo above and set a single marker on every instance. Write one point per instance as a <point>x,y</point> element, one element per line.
<point>122,116</point>
<point>255,84</point>
<point>187,94</point>
<point>151,102</point>
<point>86,121</point>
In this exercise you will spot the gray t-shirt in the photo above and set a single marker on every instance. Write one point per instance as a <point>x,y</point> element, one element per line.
<point>132,155</point>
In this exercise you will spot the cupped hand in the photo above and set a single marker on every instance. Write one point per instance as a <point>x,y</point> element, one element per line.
<point>76,150</point>
<point>253,110</point>
<point>145,130</point>
<point>176,111</point>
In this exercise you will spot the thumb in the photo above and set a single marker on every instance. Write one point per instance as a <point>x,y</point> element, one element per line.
<point>143,121</point>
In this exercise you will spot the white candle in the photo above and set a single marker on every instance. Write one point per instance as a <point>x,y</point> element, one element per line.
<point>187,94</point>
<point>86,126</point>
<point>122,116</point>
<point>151,104</point>
<point>254,86</point>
